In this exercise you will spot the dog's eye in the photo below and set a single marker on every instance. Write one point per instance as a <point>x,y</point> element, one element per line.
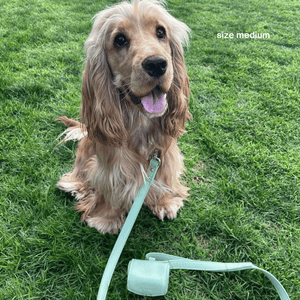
<point>161,33</point>
<point>120,41</point>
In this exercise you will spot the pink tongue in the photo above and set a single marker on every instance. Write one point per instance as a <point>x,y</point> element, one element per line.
<point>151,107</point>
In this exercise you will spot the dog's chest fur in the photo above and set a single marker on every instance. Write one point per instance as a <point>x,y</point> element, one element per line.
<point>145,134</point>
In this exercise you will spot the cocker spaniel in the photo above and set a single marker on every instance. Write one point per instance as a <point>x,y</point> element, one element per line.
<point>134,104</point>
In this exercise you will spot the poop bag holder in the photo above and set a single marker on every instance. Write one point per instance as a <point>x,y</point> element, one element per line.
<point>151,277</point>
<point>148,277</point>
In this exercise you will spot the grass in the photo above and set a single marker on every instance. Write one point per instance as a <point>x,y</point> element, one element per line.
<point>242,155</point>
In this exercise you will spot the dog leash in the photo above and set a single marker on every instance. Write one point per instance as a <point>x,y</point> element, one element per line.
<point>122,238</point>
<point>150,277</point>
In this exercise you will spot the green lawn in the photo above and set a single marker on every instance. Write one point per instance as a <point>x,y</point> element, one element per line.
<point>242,154</point>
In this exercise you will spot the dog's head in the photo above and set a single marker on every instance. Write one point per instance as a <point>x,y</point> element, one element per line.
<point>134,53</point>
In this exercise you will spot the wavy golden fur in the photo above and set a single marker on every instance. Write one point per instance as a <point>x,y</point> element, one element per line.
<point>134,102</point>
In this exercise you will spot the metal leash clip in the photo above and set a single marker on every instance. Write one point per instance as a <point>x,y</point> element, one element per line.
<point>155,156</point>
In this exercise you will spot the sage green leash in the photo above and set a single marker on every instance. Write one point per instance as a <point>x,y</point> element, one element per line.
<point>123,236</point>
<point>150,277</point>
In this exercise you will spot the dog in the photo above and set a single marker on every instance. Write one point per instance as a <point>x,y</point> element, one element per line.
<point>134,105</point>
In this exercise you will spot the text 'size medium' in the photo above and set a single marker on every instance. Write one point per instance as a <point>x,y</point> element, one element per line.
<point>253,35</point>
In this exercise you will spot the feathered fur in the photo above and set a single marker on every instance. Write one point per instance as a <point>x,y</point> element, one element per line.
<point>117,135</point>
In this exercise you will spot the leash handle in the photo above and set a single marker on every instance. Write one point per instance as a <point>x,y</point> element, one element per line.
<point>123,236</point>
<point>177,262</point>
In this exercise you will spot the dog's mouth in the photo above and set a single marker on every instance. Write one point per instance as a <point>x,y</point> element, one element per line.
<point>154,103</point>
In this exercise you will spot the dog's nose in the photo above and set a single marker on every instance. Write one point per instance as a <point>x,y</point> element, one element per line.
<point>155,65</point>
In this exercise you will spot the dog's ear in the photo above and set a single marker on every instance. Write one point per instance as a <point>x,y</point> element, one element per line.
<point>174,120</point>
<point>101,110</point>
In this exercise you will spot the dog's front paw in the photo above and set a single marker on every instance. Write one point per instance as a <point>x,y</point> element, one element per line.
<point>170,210</point>
<point>104,225</point>
<point>167,207</point>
